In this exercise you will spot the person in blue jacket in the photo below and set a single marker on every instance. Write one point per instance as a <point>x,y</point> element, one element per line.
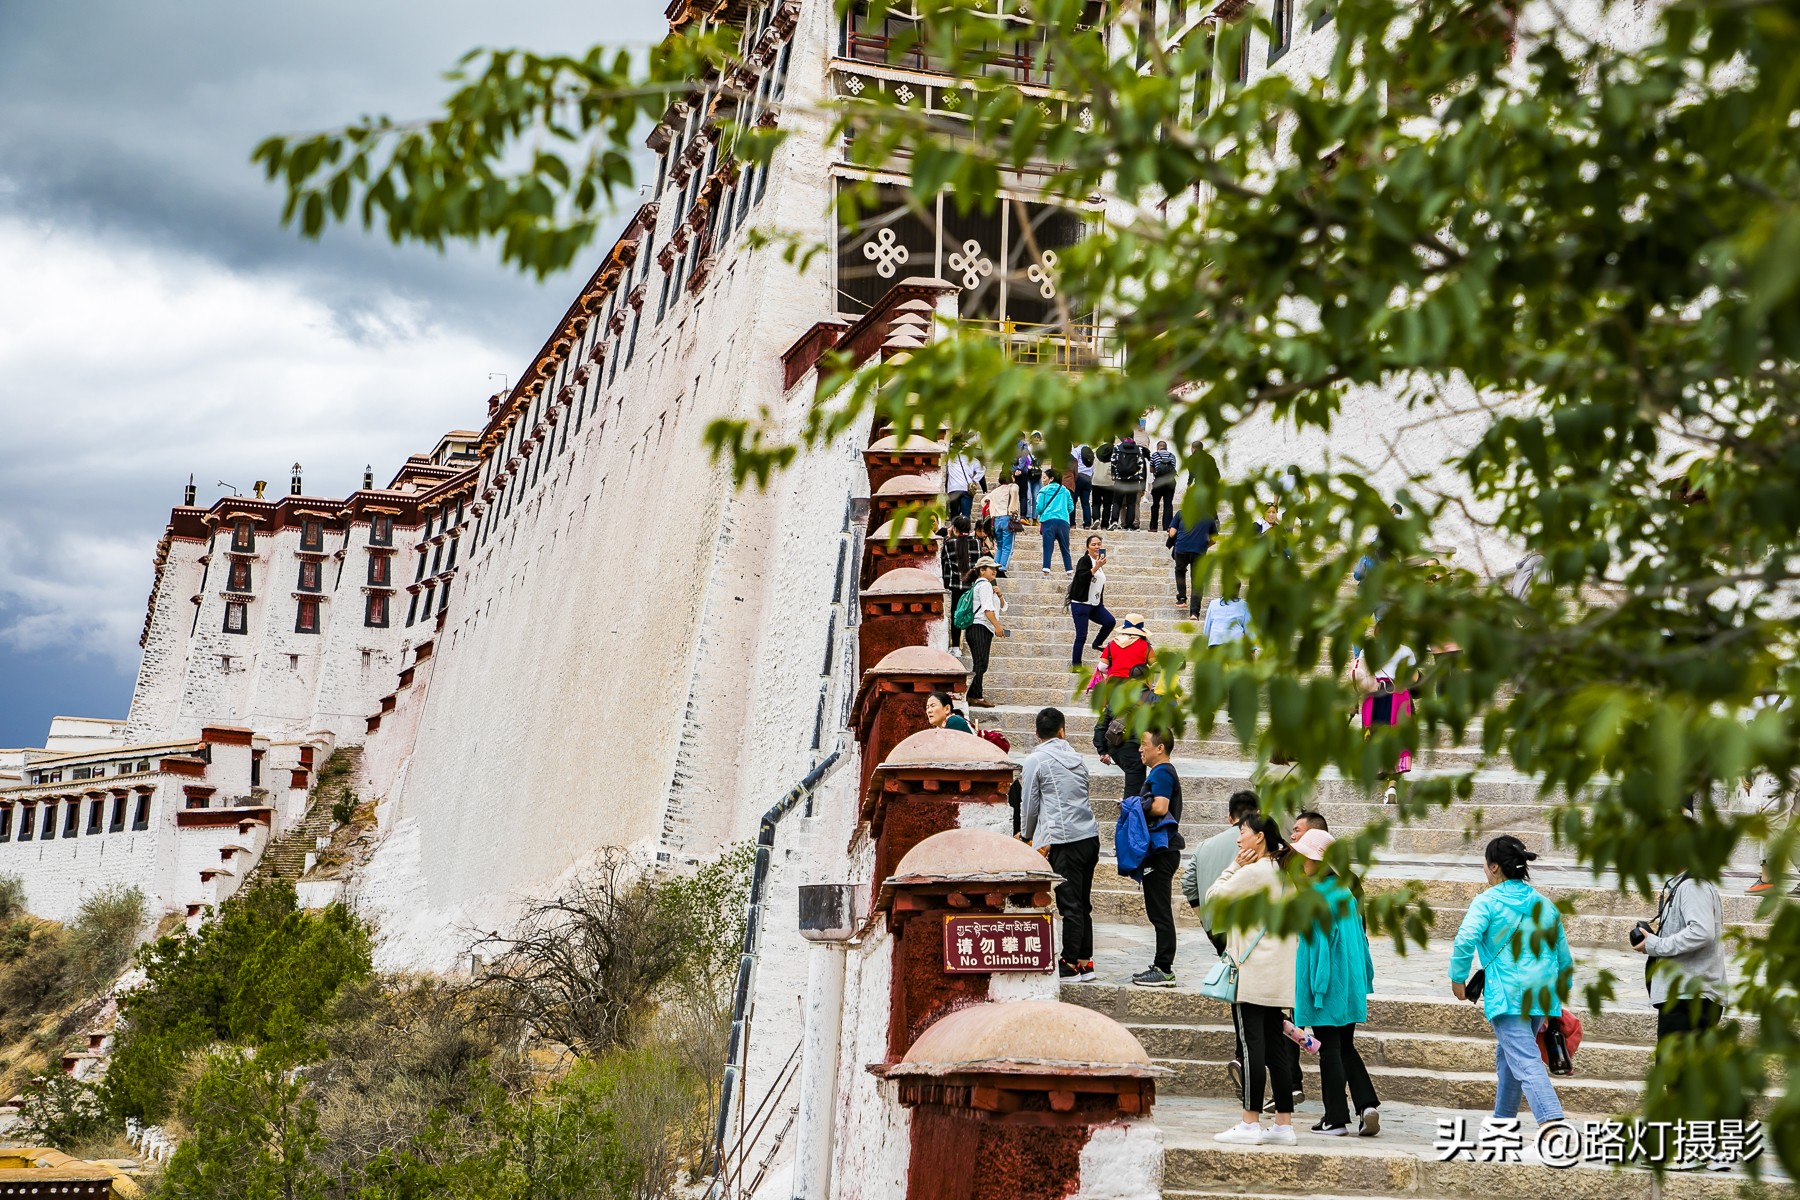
<point>1525,964</point>
<point>1333,976</point>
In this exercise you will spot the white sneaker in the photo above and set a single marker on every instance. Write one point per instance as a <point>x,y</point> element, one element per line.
<point>1281,1135</point>
<point>1241,1135</point>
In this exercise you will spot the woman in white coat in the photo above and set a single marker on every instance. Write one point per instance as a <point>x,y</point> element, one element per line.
<point>1265,985</point>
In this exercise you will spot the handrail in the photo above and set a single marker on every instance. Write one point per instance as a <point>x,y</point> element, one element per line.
<point>740,1003</point>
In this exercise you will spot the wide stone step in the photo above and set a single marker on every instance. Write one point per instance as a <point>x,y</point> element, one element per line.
<point>1473,1088</point>
<point>1216,1044</point>
<point>1402,1162</point>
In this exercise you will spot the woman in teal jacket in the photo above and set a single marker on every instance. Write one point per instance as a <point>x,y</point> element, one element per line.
<point>1333,976</point>
<point>1526,963</point>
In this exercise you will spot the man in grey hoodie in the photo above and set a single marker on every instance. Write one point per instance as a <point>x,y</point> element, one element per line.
<point>1687,979</point>
<point>1057,818</point>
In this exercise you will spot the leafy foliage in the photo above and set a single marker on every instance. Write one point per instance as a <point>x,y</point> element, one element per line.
<point>1577,258</point>
<point>59,1111</point>
<point>261,973</point>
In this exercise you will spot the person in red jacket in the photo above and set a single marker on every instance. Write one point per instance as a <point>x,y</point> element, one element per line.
<point>1128,652</point>
<point>1128,649</point>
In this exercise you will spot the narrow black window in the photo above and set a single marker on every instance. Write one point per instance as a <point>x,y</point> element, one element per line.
<point>243,537</point>
<point>1281,34</point>
<point>312,535</point>
<point>96,816</point>
<point>452,560</point>
<point>310,573</point>
<point>412,610</point>
<point>306,616</point>
<point>27,818</point>
<point>141,818</point>
<point>381,530</point>
<point>444,599</point>
<point>6,823</point>
<point>380,573</point>
<point>240,575</point>
<point>420,573</point>
<point>375,613</point>
<point>117,824</point>
<point>237,618</point>
<point>72,819</point>
<point>437,558</point>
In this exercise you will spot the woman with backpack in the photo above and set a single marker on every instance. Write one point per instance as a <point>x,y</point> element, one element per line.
<point>1106,501</point>
<point>940,713</point>
<point>1128,472</point>
<point>1087,592</point>
<point>1333,976</point>
<point>1055,505</point>
<point>1525,964</point>
<point>1265,984</point>
<point>985,605</point>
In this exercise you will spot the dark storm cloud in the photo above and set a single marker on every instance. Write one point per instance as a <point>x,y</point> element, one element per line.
<point>155,318</point>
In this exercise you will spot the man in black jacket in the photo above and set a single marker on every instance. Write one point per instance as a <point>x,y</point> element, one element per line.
<point>1128,480</point>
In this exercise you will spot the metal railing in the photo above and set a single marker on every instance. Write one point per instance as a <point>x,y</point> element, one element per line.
<point>1062,347</point>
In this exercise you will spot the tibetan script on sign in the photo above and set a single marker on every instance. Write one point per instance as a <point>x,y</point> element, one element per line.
<point>984,944</point>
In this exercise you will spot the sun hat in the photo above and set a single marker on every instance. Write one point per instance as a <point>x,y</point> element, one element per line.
<point>1131,630</point>
<point>986,560</point>
<point>1312,843</point>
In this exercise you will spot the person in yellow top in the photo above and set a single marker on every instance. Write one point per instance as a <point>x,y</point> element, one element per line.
<point>1265,984</point>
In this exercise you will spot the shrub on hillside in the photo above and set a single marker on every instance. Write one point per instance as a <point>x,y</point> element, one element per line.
<point>59,1111</point>
<point>262,972</point>
<point>12,897</point>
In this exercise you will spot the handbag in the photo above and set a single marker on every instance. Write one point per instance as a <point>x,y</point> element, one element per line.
<point>1557,1042</point>
<point>1221,983</point>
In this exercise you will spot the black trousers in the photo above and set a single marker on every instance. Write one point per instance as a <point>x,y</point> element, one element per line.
<point>1084,497</point>
<point>1184,575</point>
<point>1693,1015</point>
<point>1128,507</point>
<point>1106,504</point>
<point>1340,1066</point>
<point>1130,760</point>
<point>1075,862</point>
<point>981,640</point>
<point>956,595</point>
<point>1160,869</point>
<point>1259,1032</point>
<point>1162,500</point>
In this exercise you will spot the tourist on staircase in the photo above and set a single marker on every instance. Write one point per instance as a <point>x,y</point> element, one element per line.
<point>1684,951</point>
<point>1106,500</point>
<point>1227,617</point>
<point>1387,701</point>
<point>961,477</point>
<point>1333,976</point>
<point>940,713</point>
<point>1162,812</point>
<point>1265,986</point>
<point>957,553</point>
<point>1057,818</point>
<point>1211,859</point>
<point>1055,505</point>
<point>1127,656</point>
<point>1003,514</point>
<point>1188,546</point>
<point>1087,595</point>
<point>1024,473</point>
<point>988,604</point>
<point>1162,486</point>
<point>1128,472</point>
<point>1083,460</point>
<point>1525,962</point>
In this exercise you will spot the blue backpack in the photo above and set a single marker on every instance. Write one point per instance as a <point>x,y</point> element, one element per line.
<point>1131,837</point>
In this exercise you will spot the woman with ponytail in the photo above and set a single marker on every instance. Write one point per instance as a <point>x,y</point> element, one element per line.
<point>1525,966</point>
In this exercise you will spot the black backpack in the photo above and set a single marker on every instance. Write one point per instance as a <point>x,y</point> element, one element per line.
<point>1128,462</point>
<point>1087,456</point>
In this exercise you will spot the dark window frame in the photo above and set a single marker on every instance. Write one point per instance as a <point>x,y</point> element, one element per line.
<point>381,570</point>
<point>96,822</point>
<point>314,568</point>
<point>71,818</point>
<point>377,612</point>
<point>6,821</point>
<point>243,617</point>
<point>381,529</point>
<point>241,578</point>
<point>243,537</point>
<point>117,824</point>
<point>27,822</point>
<point>302,608</point>
<point>140,818</point>
<point>1281,28</point>
<point>312,535</point>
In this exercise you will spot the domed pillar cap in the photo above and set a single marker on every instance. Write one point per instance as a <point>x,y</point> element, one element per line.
<point>977,858</point>
<point>911,444</point>
<point>944,750</point>
<point>906,581</point>
<point>1028,1037</point>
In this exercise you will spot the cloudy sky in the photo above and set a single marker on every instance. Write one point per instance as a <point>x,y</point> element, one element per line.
<point>156,320</point>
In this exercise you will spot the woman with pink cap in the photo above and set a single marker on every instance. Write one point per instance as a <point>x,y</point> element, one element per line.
<point>1333,976</point>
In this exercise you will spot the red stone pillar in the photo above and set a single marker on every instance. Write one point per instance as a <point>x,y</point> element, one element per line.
<point>960,872</point>
<point>900,609</point>
<point>891,457</point>
<point>1027,1090</point>
<point>890,706</point>
<point>900,491</point>
<point>890,548</point>
<point>926,784</point>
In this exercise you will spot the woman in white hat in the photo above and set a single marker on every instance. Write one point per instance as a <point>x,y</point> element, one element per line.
<point>988,604</point>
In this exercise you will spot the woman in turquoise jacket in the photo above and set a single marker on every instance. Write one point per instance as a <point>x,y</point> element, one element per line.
<point>1333,976</point>
<point>1526,963</point>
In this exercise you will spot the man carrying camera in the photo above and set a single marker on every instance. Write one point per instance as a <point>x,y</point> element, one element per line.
<point>1685,952</point>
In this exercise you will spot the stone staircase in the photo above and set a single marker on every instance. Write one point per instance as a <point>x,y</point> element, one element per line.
<point>285,857</point>
<point>1431,1056</point>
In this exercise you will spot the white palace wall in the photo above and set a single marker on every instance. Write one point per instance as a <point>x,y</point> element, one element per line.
<point>634,655</point>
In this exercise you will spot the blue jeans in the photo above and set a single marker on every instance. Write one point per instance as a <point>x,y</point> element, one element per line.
<point>1102,619</point>
<point>1084,494</point>
<point>1028,498</point>
<point>961,504</point>
<point>1056,533</point>
<point>1521,1070</point>
<point>1003,540</point>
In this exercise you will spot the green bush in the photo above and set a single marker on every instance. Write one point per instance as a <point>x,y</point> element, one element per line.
<point>261,973</point>
<point>106,928</point>
<point>59,1111</point>
<point>344,807</point>
<point>12,897</point>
